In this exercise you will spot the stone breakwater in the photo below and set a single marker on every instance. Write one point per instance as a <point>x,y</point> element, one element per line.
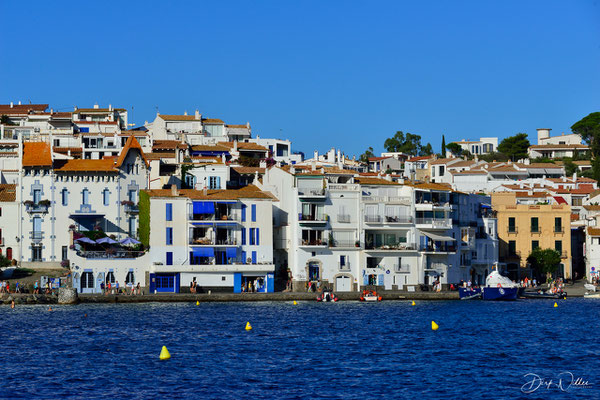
<point>71,298</point>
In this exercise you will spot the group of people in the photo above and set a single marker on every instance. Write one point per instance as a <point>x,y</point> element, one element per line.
<point>5,287</point>
<point>193,286</point>
<point>313,286</point>
<point>556,285</point>
<point>111,288</point>
<point>527,283</point>
<point>251,286</point>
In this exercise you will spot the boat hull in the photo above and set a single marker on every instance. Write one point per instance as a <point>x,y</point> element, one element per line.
<point>500,293</point>
<point>469,294</point>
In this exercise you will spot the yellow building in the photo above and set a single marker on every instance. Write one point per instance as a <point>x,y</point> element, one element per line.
<point>524,227</point>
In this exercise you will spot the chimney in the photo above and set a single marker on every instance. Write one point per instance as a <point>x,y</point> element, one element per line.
<point>322,170</point>
<point>174,191</point>
<point>197,115</point>
<point>292,170</point>
<point>235,145</point>
<point>223,158</point>
<point>574,176</point>
<point>388,177</point>
<point>51,111</point>
<point>11,104</point>
<point>110,107</point>
<point>313,165</point>
<point>521,185</point>
<point>19,102</point>
<point>96,106</point>
<point>316,155</point>
<point>185,112</point>
<point>564,179</point>
<point>339,155</point>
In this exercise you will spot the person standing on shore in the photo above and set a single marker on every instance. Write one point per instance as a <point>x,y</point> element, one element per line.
<point>102,287</point>
<point>138,288</point>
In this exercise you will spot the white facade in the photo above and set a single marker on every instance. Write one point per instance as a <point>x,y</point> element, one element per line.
<point>484,145</point>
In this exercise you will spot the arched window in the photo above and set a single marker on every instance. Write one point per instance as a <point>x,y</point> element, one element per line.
<point>9,253</point>
<point>130,278</point>
<point>110,277</point>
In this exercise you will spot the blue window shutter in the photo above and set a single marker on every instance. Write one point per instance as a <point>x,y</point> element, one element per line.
<point>169,235</point>
<point>366,280</point>
<point>243,213</point>
<point>243,257</point>
<point>257,237</point>
<point>253,212</point>
<point>218,182</point>
<point>243,236</point>
<point>253,257</point>
<point>169,211</point>
<point>169,258</point>
<point>380,278</point>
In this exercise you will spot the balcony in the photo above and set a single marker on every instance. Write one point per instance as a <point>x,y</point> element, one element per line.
<point>403,200</point>
<point>402,268</point>
<point>40,207</point>
<point>312,219</point>
<point>204,241</point>
<point>311,193</point>
<point>513,229</point>
<point>344,243</point>
<point>438,249</point>
<point>312,243</point>
<point>343,218</point>
<point>1,241</point>
<point>559,229</point>
<point>36,237</point>
<point>108,254</point>
<point>343,187</point>
<point>344,267</point>
<point>434,223</point>
<point>563,254</point>
<point>393,247</point>
<point>212,218</point>
<point>388,219</point>
<point>131,208</point>
<point>535,229</point>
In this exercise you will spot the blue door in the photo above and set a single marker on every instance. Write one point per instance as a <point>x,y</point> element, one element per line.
<point>166,283</point>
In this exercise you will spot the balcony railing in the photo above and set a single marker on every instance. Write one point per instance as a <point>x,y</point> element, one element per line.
<point>513,229</point>
<point>37,235</point>
<point>435,222</point>
<point>559,229</point>
<point>315,242</point>
<point>563,254</point>
<point>438,249</point>
<point>311,192</point>
<point>343,243</point>
<point>344,186</point>
<point>345,218</point>
<point>393,247</point>
<point>315,218</point>
<point>212,217</point>
<point>344,267</point>
<point>108,255</point>
<point>36,208</point>
<point>210,242</point>
<point>401,268</point>
<point>535,229</point>
<point>132,208</point>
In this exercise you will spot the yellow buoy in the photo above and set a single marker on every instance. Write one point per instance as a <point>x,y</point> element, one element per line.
<point>295,302</point>
<point>413,303</point>
<point>555,305</point>
<point>248,326</point>
<point>434,326</point>
<point>164,353</point>
<point>197,303</point>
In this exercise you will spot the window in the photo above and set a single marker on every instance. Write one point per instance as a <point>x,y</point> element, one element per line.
<point>169,211</point>
<point>132,230</point>
<point>169,258</point>
<point>243,236</point>
<point>105,196</point>
<point>257,241</point>
<point>442,170</point>
<point>169,235</point>
<point>37,196</point>
<point>512,248</point>
<point>64,252</point>
<point>130,278</point>
<point>511,225</point>
<point>252,236</point>
<point>37,228</point>
<point>535,244</point>
<point>214,182</point>
<point>557,224</point>
<point>36,253</point>
<point>253,257</point>
<point>253,212</point>
<point>558,246</point>
<point>244,259</point>
<point>577,201</point>
<point>85,196</point>
<point>65,197</point>
<point>243,213</point>
<point>535,228</point>
<point>342,261</point>
<point>131,195</point>
<point>110,277</point>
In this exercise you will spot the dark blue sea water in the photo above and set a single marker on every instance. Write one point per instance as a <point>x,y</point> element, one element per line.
<point>308,351</point>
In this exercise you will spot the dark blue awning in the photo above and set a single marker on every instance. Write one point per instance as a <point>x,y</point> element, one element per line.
<point>204,207</point>
<point>231,252</point>
<point>204,252</point>
<point>483,205</point>
<point>227,201</point>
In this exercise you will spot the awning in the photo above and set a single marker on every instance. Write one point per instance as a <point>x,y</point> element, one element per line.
<point>204,252</point>
<point>483,205</point>
<point>227,201</point>
<point>231,252</point>
<point>438,238</point>
<point>204,207</point>
<point>560,200</point>
<point>203,223</point>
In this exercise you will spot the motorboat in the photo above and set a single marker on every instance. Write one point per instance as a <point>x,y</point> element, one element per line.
<point>591,295</point>
<point>369,295</point>
<point>327,296</point>
<point>498,287</point>
<point>543,294</point>
<point>469,293</point>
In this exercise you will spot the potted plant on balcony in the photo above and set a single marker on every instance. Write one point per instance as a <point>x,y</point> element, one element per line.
<point>72,227</point>
<point>65,263</point>
<point>357,243</point>
<point>45,203</point>
<point>126,203</point>
<point>28,203</point>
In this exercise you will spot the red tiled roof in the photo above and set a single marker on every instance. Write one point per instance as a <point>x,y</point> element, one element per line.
<point>132,143</point>
<point>247,192</point>
<point>103,165</point>
<point>8,192</point>
<point>37,154</point>
<point>6,109</point>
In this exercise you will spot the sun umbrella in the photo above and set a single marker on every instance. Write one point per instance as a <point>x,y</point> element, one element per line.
<point>85,239</point>
<point>129,241</point>
<point>107,240</point>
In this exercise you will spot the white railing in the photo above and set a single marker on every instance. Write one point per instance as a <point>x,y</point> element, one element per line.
<point>435,222</point>
<point>344,267</point>
<point>402,268</point>
<point>343,186</point>
<point>345,218</point>
<point>311,192</point>
<point>405,200</point>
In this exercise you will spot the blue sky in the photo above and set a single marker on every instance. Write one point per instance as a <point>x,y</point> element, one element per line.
<point>322,74</point>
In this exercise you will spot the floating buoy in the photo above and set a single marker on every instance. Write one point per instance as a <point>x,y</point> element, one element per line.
<point>197,303</point>
<point>295,303</point>
<point>49,308</point>
<point>164,353</point>
<point>85,315</point>
<point>434,326</point>
<point>248,326</point>
<point>555,305</point>
<point>413,303</point>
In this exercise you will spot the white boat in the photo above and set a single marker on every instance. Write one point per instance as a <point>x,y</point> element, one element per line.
<point>592,295</point>
<point>589,287</point>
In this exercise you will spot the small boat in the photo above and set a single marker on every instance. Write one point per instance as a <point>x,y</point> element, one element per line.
<point>327,296</point>
<point>543,294</point>
<point>369,295</point>
<point>591,295</point>
<point>7,272</point>
<point>498,287</point>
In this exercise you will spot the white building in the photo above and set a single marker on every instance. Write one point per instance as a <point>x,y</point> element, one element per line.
<point>221,239</point>
<point>484,145</point>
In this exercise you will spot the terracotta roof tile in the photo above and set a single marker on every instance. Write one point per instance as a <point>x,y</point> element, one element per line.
<point>248,170</point>
<point>6,109</point>
<point>132,143</point>
<point>8,192</point>
<point>37,154</point>
<point>373,181</point>
<point>247,192</point>
<point>214,121</point>
<point>178,117</point>
<point>206,147</point>
<point>245,146</point>
<point>103,165</point>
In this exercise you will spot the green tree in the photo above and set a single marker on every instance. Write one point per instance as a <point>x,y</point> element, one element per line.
<point>4,262</point>
<point>494,156</point>
<point>570,167</point>
<point>426,150</point>
<point>364,157</point>
<point>544,261</point>
<point>515,147</point>
<point>401,143</point>
<point>455,149</point>
<point>443,146</point>
<point>589,130</point>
